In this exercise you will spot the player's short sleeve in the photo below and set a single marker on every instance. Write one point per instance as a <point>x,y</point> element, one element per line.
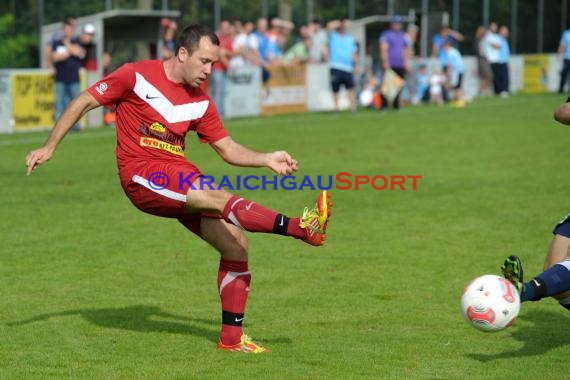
<point>210,128</point>
<point>114,86</point>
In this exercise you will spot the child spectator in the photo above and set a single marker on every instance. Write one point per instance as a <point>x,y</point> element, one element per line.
<point>436,87</point>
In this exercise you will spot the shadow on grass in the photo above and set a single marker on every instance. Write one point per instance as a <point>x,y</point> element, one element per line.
<point>539,330</point>
<point>140,318</point>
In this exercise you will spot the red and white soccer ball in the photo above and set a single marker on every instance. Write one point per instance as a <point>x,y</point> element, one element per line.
<point>490,303</point>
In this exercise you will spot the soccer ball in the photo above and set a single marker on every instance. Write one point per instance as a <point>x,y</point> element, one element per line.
<point>490,303</point>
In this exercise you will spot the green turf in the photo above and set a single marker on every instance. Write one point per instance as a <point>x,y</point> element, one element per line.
<point>91,288</point>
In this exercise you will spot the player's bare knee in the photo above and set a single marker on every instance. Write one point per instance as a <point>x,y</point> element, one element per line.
<point>242,246</point>
<point>206,200</point>
<point>237,250</point>
<point>559,250</point>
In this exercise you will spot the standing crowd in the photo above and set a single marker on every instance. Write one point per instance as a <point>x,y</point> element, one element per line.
<point>267,44</point>
<point>388,76</point>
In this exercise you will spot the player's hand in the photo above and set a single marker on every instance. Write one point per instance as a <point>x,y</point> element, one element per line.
<point>282,163</point>
<point>37,157</point>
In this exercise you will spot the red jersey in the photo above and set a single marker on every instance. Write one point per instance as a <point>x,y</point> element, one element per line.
<point>154,114</point>
<point>226,43</point>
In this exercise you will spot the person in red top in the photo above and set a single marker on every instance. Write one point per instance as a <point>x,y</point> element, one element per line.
<point>218,79</point>
<point>158,102</point>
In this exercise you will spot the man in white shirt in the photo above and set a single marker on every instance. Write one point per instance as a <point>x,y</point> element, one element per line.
<point>492,46</point>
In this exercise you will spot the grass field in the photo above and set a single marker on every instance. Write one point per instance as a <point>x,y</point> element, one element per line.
<point>91,288</point>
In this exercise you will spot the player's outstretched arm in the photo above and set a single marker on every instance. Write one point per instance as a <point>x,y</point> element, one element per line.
<point>236,154</point>
<point>74,111</point>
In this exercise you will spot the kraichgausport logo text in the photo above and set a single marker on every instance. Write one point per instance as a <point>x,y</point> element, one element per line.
<point>338,181</point>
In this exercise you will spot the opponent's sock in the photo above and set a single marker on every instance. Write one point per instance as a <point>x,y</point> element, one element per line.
<point>233,286</point>
<point>253,217</point>
<point>550,282</point>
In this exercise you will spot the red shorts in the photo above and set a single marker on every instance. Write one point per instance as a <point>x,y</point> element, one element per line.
<point>160,188</point>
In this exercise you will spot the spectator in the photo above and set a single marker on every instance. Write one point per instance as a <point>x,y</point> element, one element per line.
<point>277,38</point>
<point>409,89</point>
<point>319,40</point>
<point>411,38</point>
<point>168,37</point>
<point>422,85</point>
<point>504,56</point>
<point>299,52</point>
<point>262,47</point>
<point>438,41</point>
<point>56,36</point>
<point>87,43</point>
<point>455,71</point>
<point>436,87</point>
<point>492,52</point>
<point>87,39</point>
<point>394,54</point>
<point>365,72</point>
<point>564,56</point>
<point>67,56</point>
<point>239,46</point>
<point>252,55</point>
<point>445,34</point>
<point>483,66</point>
<point>218,78</point>
<point>262,40</point>
<point>342,58</point>
<point>369,82</point>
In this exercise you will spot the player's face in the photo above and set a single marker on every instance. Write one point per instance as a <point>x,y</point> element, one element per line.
<point>198,66</point>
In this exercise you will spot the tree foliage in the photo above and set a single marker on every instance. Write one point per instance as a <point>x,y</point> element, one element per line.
<point>16,49</point>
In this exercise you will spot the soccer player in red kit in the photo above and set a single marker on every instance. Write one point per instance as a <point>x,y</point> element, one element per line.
<point>158,102</point>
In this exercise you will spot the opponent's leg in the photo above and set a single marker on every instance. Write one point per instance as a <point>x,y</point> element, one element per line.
<point>233,283</point>
<point>560,251</point>
<point>555,280</point>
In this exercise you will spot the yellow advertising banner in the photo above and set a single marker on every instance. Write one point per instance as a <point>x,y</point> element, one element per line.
<point>286,91</point>
<point>33,100</point>
<point>535,77</point>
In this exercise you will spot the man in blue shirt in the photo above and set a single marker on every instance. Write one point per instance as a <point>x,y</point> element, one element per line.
<point>455,71</point>
<point>67,56</point>
<point>342,58</point>
<point>564,52</point>
<point>439,39</point>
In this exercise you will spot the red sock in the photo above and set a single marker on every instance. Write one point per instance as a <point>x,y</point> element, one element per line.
<point>233,286</point>
<point>255,218</point>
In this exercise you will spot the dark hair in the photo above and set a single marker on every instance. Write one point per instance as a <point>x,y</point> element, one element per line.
<point>190,38</point>
<point>69,20</point>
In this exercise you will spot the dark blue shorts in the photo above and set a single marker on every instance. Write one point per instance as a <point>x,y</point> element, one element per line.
<point>339,77</point>
<point>563,228</point>
<point>458,84</point>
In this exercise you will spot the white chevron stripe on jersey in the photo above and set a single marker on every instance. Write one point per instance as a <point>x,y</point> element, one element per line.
<point>171,113</point>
